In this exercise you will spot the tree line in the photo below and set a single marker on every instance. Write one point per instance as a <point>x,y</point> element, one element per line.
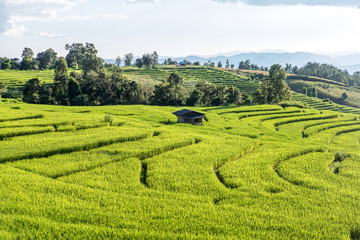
<point>325,71</point>
<point>93,82</point>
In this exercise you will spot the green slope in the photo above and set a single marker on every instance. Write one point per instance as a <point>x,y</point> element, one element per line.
<point>251,172</point>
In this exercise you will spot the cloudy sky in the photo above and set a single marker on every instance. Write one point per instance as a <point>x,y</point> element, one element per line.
<point>180,28</point>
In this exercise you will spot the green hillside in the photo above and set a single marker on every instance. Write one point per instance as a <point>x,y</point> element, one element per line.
<point>130,172</point>
<point>323,105</point>
<point>147,77</point>
<point>15,79</point>
<point>191,76</point>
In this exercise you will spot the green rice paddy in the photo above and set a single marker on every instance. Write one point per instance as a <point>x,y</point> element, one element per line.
<point>252,172</point>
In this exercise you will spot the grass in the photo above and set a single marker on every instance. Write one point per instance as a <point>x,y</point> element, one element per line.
<point>122,172</point>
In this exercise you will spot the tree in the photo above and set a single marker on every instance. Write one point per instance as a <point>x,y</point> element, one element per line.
<point>344,96</point>
<point>78,52</point>
<point>277,77</point>
<point>6,64</point>
<point>147,60</point>
<point>92,62</point>
<point>27,62</point>
<point>139,62</point>
<point>27,53</point>
<point>74,90</point>
<point>232,96</point>
<point>273,89</point>
<point>31,91</point>
<point>194,98</point>
<point>175,80</point>
<point>154,58</point>
<point>169,92</point>
<point>219,65</point>
<point>162,95</point>
<point>288,68</point>
<point>61,71</point>
<point>15,64</point>
<point>227,63</point>
<point>47,59</point>
<point>128,59</point>
<point>46,95</point>
<point>118,61</point>
<point>60,82</point>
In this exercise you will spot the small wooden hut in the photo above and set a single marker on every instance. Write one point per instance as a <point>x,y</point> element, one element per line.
<point>189,116</point>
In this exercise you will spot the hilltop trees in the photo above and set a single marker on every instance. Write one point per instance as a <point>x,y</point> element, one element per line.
<point>128,59</point>
<point>93,87</point>
<point>149,60</point>
<point>78,52</point>
<point>47,59</point>
<point>118,61</point>
<point>28,62</point>
<point>273,89</point>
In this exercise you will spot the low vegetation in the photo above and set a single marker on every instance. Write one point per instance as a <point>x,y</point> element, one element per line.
<point>265,171</point>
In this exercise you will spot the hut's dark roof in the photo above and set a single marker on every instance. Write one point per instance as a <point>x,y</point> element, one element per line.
<point>188,114</point>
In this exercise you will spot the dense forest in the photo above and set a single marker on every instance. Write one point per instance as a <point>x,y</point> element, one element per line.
<point>91,81</point>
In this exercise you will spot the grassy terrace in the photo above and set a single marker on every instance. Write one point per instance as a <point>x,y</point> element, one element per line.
<point>321,105</point>
<point>191,76</point>
<point>15,79</point>
<point>250,172</point>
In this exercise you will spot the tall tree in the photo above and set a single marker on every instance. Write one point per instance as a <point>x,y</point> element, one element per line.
<point>175,80</point>
<point>61,82</point>
<point>147,60</point>
<point>227,63</point>
<point>232,96</point>
<point>273,89</point>
<point>27,62</point>
<point>74,90</point>
<point>154,58</point>
<point>92,62</point>
<point>31,91</point>
<point>118,61</point>
<point>128,59</point>
<point>78,52</point>
<point>139,63</point>
<point>47,59</point>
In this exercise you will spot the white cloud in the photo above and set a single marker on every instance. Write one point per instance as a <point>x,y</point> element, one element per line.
<point>15,31</point>
<point>142,1</point>
<point>55,18</point>
<point>15,14</point>
<point>51,35</point>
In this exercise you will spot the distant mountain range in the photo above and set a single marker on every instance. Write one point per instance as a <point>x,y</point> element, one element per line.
<point>349,62</point>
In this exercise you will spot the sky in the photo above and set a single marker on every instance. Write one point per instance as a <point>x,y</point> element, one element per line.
<point>180,28</point>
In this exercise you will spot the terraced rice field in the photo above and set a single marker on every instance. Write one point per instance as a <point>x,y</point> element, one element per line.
<point>249,173</point>
<point>192,75</point>
<point>320,105</point>
<point>15,79</point>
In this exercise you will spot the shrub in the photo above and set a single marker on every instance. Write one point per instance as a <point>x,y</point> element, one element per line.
<point>109,119</point>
